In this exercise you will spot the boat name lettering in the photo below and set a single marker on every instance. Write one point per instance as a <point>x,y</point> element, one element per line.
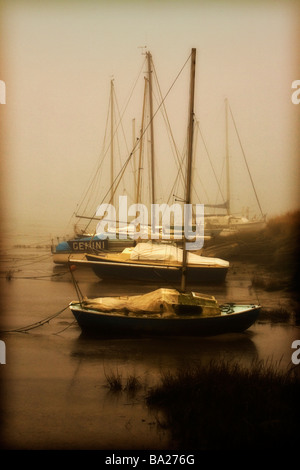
<point>82,246</point>
<point>296,354</point>
<point>296,94</point>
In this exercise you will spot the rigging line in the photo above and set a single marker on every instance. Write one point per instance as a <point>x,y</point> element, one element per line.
<point>222,173</point>
<point>193,182</point>
<point>203,189</point>
<point>166,118</point>
<point>174,149</point>
<point>123,131</point>
<point>162,102</point>
<point>183,157</point>
<point>36,324</point>
<point>95,173</point>
<point>125,107</point>
<point>194,185</point>
<point>208,155</point>
<point>76,285</point>
<point>121,172</point>
<point>95,182</point>
<point>119,146</point>
<point>176,182</point>
<point>130,95</point>
<point>246,161</point>
<point>120,120</point>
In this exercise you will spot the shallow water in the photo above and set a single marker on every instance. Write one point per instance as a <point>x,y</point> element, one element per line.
<point>54,382</point>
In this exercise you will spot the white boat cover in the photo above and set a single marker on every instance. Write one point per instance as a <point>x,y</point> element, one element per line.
<point>164,252</point>
<point>160,301</point>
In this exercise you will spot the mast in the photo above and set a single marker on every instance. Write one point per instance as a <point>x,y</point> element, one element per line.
<point>190,157</point>
<point>149,58</point>
<point>111,142</point>
<point>141,147</point>
<point>227,162</point>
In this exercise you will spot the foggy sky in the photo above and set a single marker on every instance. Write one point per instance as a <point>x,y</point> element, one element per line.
<point>57,60</point>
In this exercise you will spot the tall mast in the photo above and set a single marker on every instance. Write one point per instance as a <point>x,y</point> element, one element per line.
<point>190,157</point>
<point>227,162</point>
<point>149,58</point>
<point>141,147</point>
<point>111,142</point>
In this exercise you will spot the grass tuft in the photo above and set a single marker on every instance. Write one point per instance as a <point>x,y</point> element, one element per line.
<point>133,384</point>
<point>114,381</point>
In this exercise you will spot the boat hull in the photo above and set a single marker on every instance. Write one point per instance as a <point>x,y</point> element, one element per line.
<point>101,324</point>
<point>63,252</point>
<point>149,272</point>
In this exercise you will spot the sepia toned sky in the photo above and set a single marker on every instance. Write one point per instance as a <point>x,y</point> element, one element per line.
<point>57,61</point>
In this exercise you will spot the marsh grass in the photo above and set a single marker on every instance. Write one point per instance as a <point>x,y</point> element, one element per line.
<point>268,284</point>
<point>133,384</point>
<point>115,383</point>
<point>276,247</point>
<point>223,405</point>
<point>276,315</point>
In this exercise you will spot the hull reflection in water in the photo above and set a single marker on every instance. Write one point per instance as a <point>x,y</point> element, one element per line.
<point>162,312</point>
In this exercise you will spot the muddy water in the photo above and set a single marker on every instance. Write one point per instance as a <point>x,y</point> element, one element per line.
<point>54,382</point>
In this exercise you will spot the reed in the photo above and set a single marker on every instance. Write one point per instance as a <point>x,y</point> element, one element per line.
<point>223,405</point>
<point>276,315</point>
<point>114,381</point>
<point>133,384</point>
<point>276,246</point>
<point>268,284</point>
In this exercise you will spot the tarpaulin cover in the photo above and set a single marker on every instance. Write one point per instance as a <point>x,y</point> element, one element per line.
<point>165,252</point>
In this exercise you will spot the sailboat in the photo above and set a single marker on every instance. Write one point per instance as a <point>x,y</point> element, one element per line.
<point>164,311</point>
<point>156,262</point>
<point>230,222</point>
<point>83,240</point>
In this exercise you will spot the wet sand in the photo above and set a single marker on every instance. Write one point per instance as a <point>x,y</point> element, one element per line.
<point>54,387</point>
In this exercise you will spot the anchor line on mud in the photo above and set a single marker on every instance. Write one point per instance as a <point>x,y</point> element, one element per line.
<point>64,329</point>
<point>10,275</point>
<point>24,329</point>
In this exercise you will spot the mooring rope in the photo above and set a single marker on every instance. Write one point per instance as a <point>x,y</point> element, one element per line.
<point>10,275</point>
<point>24,329</point>
<point>65,328</point>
